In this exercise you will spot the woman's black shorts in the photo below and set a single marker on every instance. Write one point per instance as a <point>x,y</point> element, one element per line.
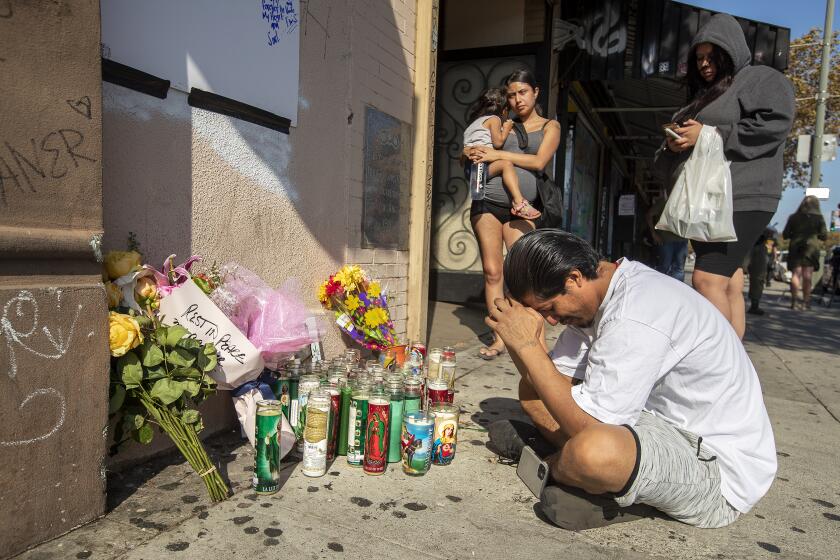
<point>484,206</point>
<point>726,258</point>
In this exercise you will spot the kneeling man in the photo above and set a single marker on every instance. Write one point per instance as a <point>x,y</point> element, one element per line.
<point>668,411</point>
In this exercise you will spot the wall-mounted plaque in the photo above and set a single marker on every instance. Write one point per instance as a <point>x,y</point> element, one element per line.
<point>387,181</point>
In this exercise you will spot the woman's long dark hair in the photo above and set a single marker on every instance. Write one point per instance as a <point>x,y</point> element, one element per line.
<point>492,101</point>
<point>701,93</point>
<point>526,77</point>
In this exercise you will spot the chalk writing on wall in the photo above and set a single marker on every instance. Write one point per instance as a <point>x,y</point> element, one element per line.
<point>21,329</point>
<point>385,214</point>
<point>277,13</point>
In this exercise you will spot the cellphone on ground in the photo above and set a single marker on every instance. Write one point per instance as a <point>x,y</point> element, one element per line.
<point>533,471</point>
<point>669,131</point>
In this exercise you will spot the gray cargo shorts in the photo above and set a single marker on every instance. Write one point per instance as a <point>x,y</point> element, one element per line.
<point>676,474</point>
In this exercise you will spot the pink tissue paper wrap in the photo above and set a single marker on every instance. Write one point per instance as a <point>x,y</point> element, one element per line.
<point>274,320</point>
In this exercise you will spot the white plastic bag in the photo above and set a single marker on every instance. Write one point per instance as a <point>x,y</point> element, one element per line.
<point>700,204</point>
<point>245,404</point>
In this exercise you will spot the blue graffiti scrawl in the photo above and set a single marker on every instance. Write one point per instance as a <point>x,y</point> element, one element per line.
<point>277,13</point>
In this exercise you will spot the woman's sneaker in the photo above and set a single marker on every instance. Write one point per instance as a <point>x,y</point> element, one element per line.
<point>509,437</point>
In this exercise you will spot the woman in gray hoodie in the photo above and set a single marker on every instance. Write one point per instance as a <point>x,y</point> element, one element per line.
<point>752,108</point>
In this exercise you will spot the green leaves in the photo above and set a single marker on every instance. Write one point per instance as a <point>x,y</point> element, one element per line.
<point>133,421</point>
<point>144,435</point>
<point>192,388</point>
<point>180,357</point>
<point>167,390</point>
<point>160,382</point>
<point>207,359</point>
<point>151,354</point>
<point>130,370</point>
<point>174,334</point>
<point>186,372</point>
<point>117,398</point>
<point>189,343</point>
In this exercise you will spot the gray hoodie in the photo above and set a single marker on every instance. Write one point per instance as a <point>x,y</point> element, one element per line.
<point>753,116</point>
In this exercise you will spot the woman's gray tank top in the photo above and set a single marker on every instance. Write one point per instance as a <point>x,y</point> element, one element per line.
<point>495,191</point>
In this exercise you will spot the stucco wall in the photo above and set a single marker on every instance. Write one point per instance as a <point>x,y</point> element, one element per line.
<point>188,181</point>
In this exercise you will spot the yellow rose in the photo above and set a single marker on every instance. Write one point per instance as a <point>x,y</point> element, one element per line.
<point>124,333</point>
<point>146,289</point>
<point>114,294</point>
<point>120,263</point>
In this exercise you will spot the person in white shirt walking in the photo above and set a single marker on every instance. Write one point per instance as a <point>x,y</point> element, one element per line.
<point>668,409</point>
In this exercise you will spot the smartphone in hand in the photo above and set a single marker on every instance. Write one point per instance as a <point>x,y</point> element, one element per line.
<point>533,471</point>
<point>669,131</point>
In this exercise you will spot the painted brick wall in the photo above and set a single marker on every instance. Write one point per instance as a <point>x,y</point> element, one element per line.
<point>382,76</point>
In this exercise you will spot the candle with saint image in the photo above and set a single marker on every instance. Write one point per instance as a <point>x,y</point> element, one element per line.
<point>376,438</point>
<point>357,423</point>
<point>445,433</point>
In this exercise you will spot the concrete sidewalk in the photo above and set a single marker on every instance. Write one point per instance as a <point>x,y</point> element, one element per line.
<point>476,507</point>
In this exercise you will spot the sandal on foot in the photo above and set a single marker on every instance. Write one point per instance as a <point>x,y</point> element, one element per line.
<point>574,509</point>
<point>488,353</point>
<point>525,210</point>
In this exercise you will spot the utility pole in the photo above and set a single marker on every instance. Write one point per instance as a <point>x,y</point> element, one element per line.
<point>822,95</point>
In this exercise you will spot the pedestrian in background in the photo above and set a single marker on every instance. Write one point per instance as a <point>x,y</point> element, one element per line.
<point>771,245</point>
<point>671,249</point>
<point>752,108</point>
<point>491,219</point>
<point>757,270</point>
<point>806,230</point>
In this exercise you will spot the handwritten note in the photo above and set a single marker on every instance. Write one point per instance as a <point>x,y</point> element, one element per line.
<point>277,13</point>
<point>239,360</point>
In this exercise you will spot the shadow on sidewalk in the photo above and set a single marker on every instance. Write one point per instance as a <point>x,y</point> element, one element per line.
<point>809,330</point>
<point>452,324</point>
<point>498,408</point>
<point>124,484</point>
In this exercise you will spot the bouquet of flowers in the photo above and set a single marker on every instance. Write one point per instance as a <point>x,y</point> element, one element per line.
<point>159,374</point>
<point>360,306</point>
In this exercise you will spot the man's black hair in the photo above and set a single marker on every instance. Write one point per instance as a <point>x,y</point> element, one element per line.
<point>540,262</point>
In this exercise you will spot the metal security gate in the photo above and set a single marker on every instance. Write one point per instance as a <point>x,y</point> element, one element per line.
<point>455,260</point>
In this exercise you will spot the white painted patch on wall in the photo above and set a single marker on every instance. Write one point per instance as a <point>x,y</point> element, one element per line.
<point>303,103</point>
<point>144,107</point>
<point>258,153</point>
